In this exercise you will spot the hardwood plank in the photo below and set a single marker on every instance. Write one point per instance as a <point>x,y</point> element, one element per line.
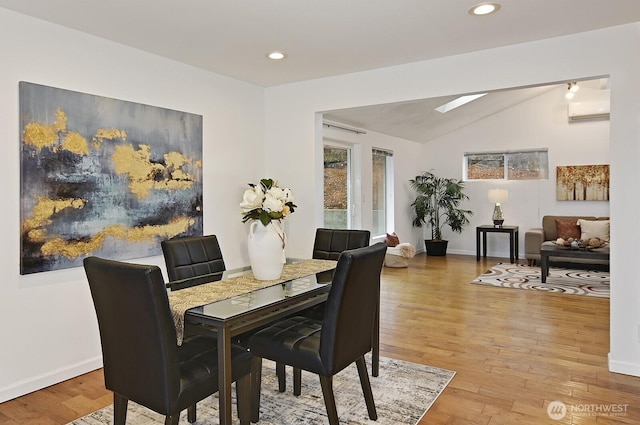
<point>514,351</point>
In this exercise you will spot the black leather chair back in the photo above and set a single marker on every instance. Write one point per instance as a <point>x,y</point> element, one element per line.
<point>329,243</point>
<point>137,332</point>
<point>351,307</point>
<point>192,256</point>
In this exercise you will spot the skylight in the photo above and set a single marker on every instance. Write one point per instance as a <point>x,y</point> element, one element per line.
<point>462,100</point>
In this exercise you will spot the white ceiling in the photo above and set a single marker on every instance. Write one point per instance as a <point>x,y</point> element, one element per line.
<point>325,38</point>
<point>321,38</point>
<point>420,122</point>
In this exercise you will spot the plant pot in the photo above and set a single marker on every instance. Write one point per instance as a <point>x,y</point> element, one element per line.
<point>436,248</point>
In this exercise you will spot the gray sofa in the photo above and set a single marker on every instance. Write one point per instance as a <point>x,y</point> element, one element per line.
<point>547,234</point>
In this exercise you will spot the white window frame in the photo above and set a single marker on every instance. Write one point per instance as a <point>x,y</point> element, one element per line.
<point>354,194</point>
<point>505,157</point>
<point>389,192</point>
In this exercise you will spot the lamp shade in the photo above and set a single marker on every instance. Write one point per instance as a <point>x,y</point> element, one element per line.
<point>498,196</point>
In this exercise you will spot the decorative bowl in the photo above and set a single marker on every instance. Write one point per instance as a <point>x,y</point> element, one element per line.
<point>593,243</point>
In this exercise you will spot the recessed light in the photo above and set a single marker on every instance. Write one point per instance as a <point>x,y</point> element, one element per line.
<point>276,55</point>
<point>482,9</point>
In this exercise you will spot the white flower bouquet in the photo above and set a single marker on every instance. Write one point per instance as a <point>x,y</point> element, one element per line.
<point>266,201</point>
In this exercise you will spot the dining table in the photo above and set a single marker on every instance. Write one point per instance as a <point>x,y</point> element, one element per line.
<point>235,302</point>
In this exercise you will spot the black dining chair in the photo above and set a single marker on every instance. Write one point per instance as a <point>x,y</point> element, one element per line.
<point>328,245</point>
<point>142,361</point>
<point>192,261</point>
<point>343,336</point>
<point>190,257</point>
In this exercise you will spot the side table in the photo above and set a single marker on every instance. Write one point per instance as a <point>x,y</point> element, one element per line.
<point>513,239</point>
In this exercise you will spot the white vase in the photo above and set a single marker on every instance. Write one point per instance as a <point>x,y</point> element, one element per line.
<point>266,249</point>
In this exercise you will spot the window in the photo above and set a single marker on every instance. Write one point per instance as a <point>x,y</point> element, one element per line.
<point>344,196</point>
<point>382,184</point>
<point>337,177</point>
<point>517,165</point>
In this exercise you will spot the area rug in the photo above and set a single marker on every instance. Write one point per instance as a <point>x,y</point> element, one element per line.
<point>403,392</point>
<point>566,281</point>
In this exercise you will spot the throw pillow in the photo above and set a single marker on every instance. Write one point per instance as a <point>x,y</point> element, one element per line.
<point>392,240</point>
<point>567,229</point>
<point>595,229</point>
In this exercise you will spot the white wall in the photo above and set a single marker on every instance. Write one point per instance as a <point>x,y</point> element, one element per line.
<point>292,126</point>
<point>540,122</point>
<point>49,330</point>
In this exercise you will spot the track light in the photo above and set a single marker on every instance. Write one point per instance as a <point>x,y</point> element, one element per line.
<point>572,88</point>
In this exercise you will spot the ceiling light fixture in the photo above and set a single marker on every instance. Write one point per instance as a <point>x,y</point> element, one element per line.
<point>482,9</point>
<point>572,88</point>
<point>276,55</point>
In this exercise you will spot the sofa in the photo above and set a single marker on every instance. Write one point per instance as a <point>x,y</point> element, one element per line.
<point>563,226</point>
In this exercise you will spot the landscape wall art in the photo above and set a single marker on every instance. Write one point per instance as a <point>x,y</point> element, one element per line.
<point>582,182</point>
<point>103,177</point>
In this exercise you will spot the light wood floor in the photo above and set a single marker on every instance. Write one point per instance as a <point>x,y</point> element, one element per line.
<point>514,352</point>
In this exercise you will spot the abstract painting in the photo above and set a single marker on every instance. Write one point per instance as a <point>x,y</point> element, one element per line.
<point>104,177</point>
<point>582,183</point>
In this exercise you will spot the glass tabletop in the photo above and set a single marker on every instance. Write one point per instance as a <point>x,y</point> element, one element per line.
<point>175,285</point>
<point>254,300</point>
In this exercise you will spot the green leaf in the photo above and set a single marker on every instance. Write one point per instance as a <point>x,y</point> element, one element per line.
<point>264,217</point>
<point>266,184</point>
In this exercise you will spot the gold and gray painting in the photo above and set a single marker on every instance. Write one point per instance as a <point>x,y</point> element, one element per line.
<point>106,177</point>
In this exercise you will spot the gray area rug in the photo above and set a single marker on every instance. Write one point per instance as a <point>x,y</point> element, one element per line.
<point>566,281</point>
<point>403,392</point>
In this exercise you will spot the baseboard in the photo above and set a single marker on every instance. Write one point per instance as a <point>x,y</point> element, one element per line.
<point>42,381</point>
<point>460,252</point>
<point>498,255</point>
<point>467,252</point>
<point>625,368</point>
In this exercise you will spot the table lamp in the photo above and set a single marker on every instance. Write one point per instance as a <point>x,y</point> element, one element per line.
<point>497,197</point>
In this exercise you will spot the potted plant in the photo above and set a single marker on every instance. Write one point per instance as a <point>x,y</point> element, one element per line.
<point>437,204</point>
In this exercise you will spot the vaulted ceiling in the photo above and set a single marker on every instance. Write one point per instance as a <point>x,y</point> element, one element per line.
<point>419,121</point>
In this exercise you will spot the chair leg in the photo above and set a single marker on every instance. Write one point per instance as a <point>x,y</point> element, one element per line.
<point>172,420</point>
<point>366,388</point>
<point>375,342</point>
<point>329,400</point>
<point>191,414</point>
<point>119,409</point>
<point>256,383</point>
<point>282,377</point>
<point>243,396</point>
<point>297,381</point>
